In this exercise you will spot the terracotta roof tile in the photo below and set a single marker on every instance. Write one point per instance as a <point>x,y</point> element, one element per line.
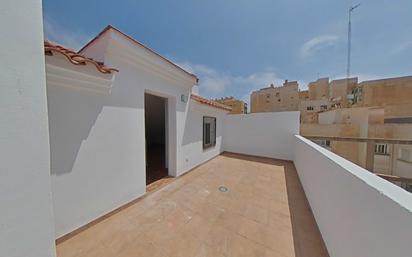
<point>210,102</point>
<point>75,58</point>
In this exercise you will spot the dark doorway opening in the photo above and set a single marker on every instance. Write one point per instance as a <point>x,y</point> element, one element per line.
<point>155,131</point>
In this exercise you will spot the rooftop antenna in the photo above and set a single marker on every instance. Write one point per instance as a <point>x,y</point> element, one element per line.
<point>351,9</point>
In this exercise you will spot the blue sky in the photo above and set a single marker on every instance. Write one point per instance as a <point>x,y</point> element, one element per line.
<point>238,46</point>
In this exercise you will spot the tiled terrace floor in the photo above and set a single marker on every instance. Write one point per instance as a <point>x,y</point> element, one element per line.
<point>264,213</point>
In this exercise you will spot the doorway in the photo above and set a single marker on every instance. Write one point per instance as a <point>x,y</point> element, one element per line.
<point>155,133</point>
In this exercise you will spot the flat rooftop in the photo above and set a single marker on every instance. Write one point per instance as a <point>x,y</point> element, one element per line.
<point>231,206</point>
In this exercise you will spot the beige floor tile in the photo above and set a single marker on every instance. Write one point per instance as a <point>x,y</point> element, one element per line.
<point>206,251</point>
<point>257,213</point>
<point>198,227</point>
<point>141,248</point>
<point>265,213</point>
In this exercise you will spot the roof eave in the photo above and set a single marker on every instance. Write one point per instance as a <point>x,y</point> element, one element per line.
<point>110,27</point>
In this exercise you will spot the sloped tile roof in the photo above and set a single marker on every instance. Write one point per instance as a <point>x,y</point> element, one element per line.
<point>75,58</point>
<point>210,102</point>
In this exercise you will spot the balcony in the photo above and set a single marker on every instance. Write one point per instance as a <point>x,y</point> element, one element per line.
<point>233,205</point>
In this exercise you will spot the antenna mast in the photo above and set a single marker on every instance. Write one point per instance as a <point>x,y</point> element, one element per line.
<point>351,9</point>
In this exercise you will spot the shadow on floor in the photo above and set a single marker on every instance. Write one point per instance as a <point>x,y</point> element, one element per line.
<point>307,239</point>
<point>257,159</point>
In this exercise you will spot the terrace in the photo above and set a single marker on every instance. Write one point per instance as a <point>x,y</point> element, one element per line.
<point>80,172</point>
<point>318,205</point>
<point>264,212</point>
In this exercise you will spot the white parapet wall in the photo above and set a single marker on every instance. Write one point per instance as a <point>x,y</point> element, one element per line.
<point>26,217</point>
<point>268,134</point>
<point>358,213</point>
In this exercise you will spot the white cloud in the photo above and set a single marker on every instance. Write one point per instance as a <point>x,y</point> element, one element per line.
<point>317,43</point>
<point>211,82</point>
<point>216,84</point>
<point>402,47</point>
<point>56,33</point>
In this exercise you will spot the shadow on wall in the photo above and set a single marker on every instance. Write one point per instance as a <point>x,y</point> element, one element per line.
<point>192,132</point>
<point>72,114</point>
<point>306,235</point>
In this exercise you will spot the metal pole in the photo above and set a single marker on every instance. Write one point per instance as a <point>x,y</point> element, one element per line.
<point>349,44</point>
<point>351,9</point>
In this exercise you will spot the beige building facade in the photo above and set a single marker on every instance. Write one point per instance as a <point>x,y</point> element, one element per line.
<point>393,94</point>
<point>276,99</point>
<point>345,122</point>
<point>365,122</point>
<point>319,89</point>
<point>314,100</point>
<point>309,109</point>
<point>371,109</point>
<point>238,106</point>
<point>340,90</point>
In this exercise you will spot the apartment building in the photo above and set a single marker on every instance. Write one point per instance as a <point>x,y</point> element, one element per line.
<point>345,122</point>
<point>365,123</point>
<point>309,109</point>
<point>319,89</point>
<point>276,99</point>
<point>393,94</point>
<point>238,106</point>
<point>314,100</point>
<point>340,89</point>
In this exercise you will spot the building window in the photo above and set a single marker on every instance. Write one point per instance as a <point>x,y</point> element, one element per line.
<point>323,107</point>
<point>381,149</point>
<point>267,96</point>
<point>323,143</point>
<point>209,132</point>
<point>309,108</point>
<point>277,94</point>
<point>278,100</point>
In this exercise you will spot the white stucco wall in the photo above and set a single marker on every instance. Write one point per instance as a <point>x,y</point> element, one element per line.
<point>98,139</point>
<point>26,219</point>
<point>262,134</point>
<point>191,147</point>
<point>358,213</point>
<point>98,145</point>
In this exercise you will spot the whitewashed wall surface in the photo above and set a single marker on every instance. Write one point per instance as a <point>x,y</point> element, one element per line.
<point>262,134</point>
<point>26,219</point>
<point>358,213</point>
